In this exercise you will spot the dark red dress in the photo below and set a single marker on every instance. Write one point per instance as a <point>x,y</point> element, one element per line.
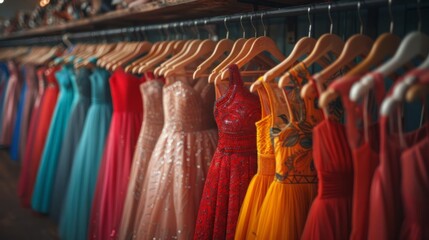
<point>364,150</point>
<point>34,148</point>
<point>233,164</point>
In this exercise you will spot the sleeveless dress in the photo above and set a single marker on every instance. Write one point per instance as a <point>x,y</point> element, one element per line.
<point>14,146</point>
<point>386,207</point>
<point>153,121</point>
<point>42,195</point>
<point>117,158</point>
<point>31,96</point>
<point>34,148</point>
<point>72,135</point>
<point>74,218</point>
<point>363,137</point>
<point>259,184</point>
<point>178,167</point>
<point>333,160</point>
<point>284,210</point>
<point>233,164</point>
<point>11,103</point>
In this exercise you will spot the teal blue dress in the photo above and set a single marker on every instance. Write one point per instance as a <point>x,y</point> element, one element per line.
<point>76,210</point>
<point>42,193</point>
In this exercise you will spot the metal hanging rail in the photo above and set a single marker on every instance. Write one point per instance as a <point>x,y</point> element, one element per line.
<point>282,12</point>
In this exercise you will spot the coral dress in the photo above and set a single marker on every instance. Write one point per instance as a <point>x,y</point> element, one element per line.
<point>114,173</point>
<point>284,210</point>
<point>153,121</point>
<point>72,135</point>
<point>42,194</point>
<point>178,167</point>
<point>86,163</point>
<point>233,164</point>
<point>35,146</point>
<point>259,184</point>
<point>364,143</point>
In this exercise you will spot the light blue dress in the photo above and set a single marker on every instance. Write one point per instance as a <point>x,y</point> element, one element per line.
<point>42,193</point>
<point>72,137</point>
<point>83,177</point>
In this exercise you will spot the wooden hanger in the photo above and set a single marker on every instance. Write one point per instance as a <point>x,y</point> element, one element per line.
<point>142,47</point>
<point>171,48</point>
<point>129,48</point>
<point>133,67</point>
<point>157,70</point>
<point>192,48</point>
<point>384,47</point>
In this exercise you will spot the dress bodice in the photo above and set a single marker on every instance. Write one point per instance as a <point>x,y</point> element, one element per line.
<point>30,76</point>
<point>152,102</point>
<point>64,78</point>
<point>125,91</point>
<point>188,108</point>
<point>51,80</point>
<point>100,92</point>
<point>82,84</point>
<point>236,113</point>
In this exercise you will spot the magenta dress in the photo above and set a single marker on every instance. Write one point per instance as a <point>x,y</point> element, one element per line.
<point>114,173</point>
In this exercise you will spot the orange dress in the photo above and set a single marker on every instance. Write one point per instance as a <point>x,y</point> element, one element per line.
<point>284,211</point>
<point>264,177</point>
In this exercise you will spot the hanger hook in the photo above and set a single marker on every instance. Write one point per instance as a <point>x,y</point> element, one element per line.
<point>391,16</point>
<point>196,28</point>
<point>161,33</point>
<point>331,26</point>
<point>253,25</point>
<point>419,15</point>
<point>309,21</point>
<point>242,26</point>
<point>176,32</point>
<point>360,17</point>
<point>263,25</point>
<point>226,28</point>
<point>183,30</point>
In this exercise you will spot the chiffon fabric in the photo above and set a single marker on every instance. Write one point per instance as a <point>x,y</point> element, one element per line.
<point>76,209</point>
<point>42,194</point>
<point>153,121</point>
<point>11,104</point>
<point>35,146</point>
<point>31,95</point>
<point>178,167</point>
<point>72,135</point>
<point>233,164</point>
<point>364,143</point>
<point>284,210</point>
<point>260,183</point>
<point>117,158</point>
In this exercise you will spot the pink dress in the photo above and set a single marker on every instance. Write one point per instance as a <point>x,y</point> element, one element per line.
<point>115,167</point>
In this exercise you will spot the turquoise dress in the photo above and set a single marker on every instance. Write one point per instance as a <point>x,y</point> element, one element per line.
<point>82,89</point>
<point>76,210</point>
<point>42,193</point>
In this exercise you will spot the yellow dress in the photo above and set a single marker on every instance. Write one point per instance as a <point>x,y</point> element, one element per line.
<point>265,175</point>
<point>287,202</point>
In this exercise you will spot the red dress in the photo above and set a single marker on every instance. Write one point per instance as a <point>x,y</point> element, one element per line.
<point>113,176</point>
<point>364,151</point>
<point>36,142</point>
<point>233,164</point>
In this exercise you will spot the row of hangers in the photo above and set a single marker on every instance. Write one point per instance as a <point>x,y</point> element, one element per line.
<point>207,58</point>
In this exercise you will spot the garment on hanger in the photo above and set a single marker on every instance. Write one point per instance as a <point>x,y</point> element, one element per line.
<point>233,164</point>
<point>11,103</point>
<point>4,79</point>
<point>177,169</point>
<point>117,158</point>
<point>14,146</point>
<point>74,219</point>
<point>363,139</point>
<point>72,135</point>
<point>284,210</point>
<point>31,96</point>
<point>386,206</point>
<point>333,205</point>
<point>152,124</point>
<point>34,149</point>
<point>42,194</point>
<point>260,183</point>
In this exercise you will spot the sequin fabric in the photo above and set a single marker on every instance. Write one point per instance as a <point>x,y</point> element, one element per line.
<point>233,164</point>
<point>178,167</point>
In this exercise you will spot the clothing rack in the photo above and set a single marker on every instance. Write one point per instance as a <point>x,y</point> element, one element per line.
<point>282,12</point>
